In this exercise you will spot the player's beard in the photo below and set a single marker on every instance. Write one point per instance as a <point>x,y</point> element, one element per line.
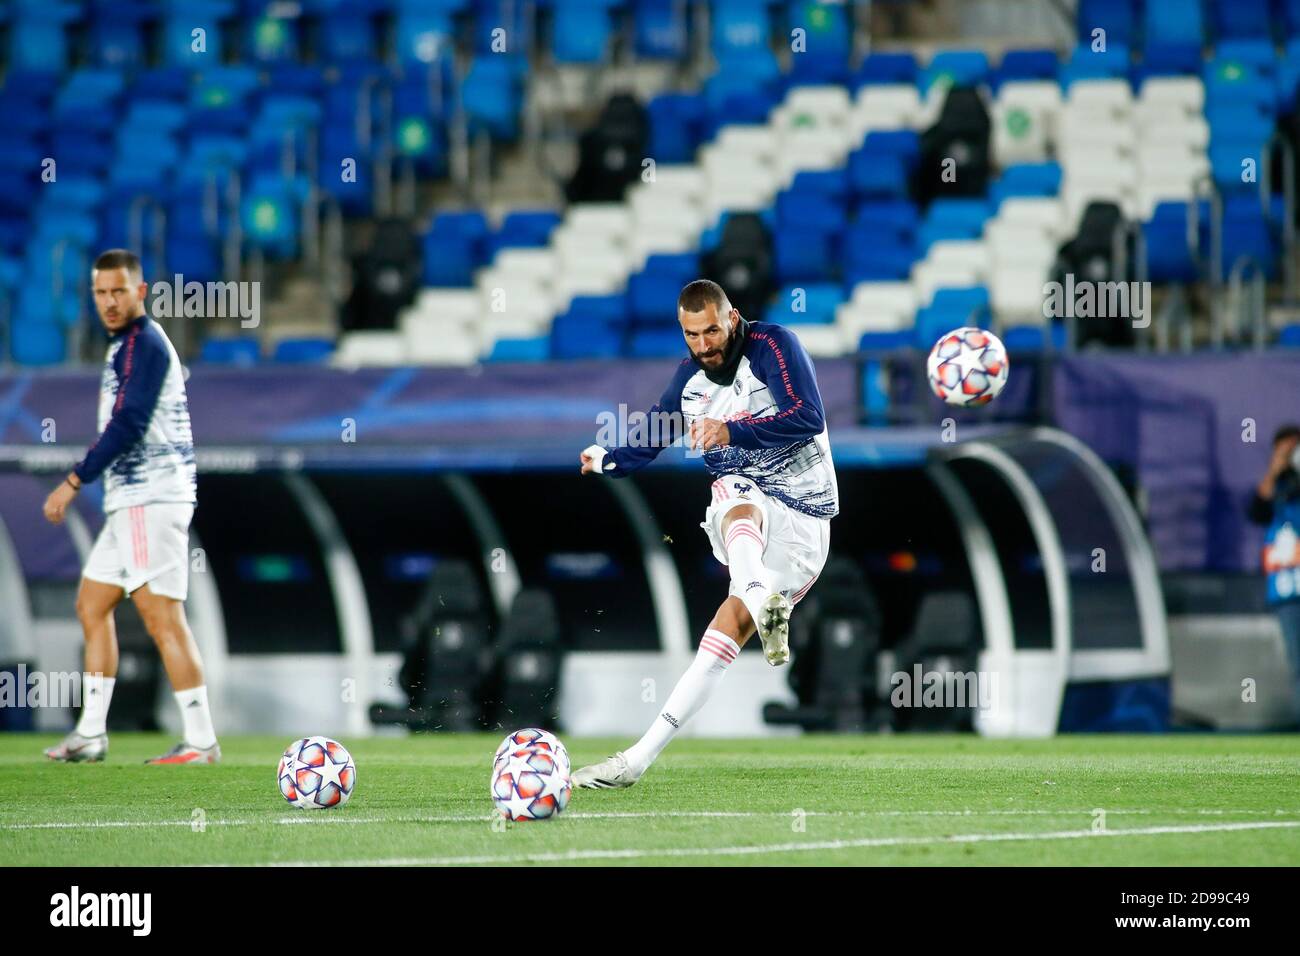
<point>726,371</point>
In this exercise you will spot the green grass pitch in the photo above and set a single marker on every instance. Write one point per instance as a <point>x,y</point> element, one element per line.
<point>813,800</point>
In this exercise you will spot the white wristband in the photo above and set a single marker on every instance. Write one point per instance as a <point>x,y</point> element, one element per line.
<point>597,455</point>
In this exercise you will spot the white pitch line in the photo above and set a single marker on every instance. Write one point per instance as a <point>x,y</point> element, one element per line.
<point>578,855</point>
<point>309,819</point>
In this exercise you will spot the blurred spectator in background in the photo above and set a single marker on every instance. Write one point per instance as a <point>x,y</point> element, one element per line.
<point>1277,505</point>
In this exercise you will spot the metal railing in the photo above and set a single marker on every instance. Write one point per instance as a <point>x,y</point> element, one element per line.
<point>1245,306</point>
<point>77,327</point>
<point>1288,227</point>
<point>135,230</point>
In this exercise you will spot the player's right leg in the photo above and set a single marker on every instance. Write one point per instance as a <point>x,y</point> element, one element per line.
<point>88,742</point>
<point>726,634</point>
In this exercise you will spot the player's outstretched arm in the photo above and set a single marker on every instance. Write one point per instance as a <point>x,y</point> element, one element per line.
<point>665,428</point>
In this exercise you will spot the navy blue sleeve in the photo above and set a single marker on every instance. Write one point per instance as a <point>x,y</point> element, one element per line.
<point>663,428</point>
<point>143,365</point>
<point>783,365</point>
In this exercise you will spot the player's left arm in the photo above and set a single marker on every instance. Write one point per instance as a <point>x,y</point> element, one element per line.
<point>144,368</point>
<point>785,368</point>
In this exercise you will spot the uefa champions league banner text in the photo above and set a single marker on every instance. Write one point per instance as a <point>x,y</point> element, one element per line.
<point>20,687</point>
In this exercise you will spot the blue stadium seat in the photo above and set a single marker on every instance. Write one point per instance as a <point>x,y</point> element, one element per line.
<point>89,100</point>
<point>524,228</point>
<point>681,267</point>
<point>661,29</point>
<point>1289,17</point>
<point>162,83</point>
<point>813,303</point>
<point>656,343</point>
<point>1169,256</point>
<point>1174,32</point>
<point>339,144</point>
<point>238,350</point>
<point>38,38</point>
<point>828,40</point>
<point>882,166</point>
<point>1228,86</point>
<point>453,248</point>
<point>1164,59</point>
<point>1247,233</point>
<point>182,19</point>
<point>1087,64</point>
<point>581,31</point>
<point>885,341</point>
<point>956,68</point>
<point>35,341</point>
<point>652,298</point>
<point>424,31</point>
<point>872,258</point>
<point>347,36</point>
<point>585,335</point>
<point>1241,18</point>
<point>117,32</point>
<point>832,184</point>
<point>1252,52</point>
<point>741,30</point>
<point>1117,17</point>
<point>491,96</point>
<point>803,253</point>
<point>222,99</point>
<point>1031,338</point>
<point>1027,179</point>
<point>1026,65</point>
<point>269,215</point>
<point>271,37</point>
<point>886,68</point>
<point>305,351</point>
<point>676,126</point>
<point>898,218</point>
<point>949,309</point>
<point>537,349</point>
<point>510,17</point>
<point>611,309</point>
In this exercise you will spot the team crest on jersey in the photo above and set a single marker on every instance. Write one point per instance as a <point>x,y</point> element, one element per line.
<point>741,489</point>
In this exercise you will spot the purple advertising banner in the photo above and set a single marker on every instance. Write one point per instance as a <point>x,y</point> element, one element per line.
<point>1196,430</point>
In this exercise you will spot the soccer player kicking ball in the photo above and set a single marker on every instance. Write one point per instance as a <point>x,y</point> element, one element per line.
<point>145,453</point>
<point>748,396</point>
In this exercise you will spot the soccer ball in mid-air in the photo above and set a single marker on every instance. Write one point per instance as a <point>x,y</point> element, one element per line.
<point>532,737</point>
<point>316,773</point>
<point>530,783</point>
<point>967,367</point>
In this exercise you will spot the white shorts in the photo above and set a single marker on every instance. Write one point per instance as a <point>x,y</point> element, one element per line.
<point>147,544</point>
<point>795,545</point>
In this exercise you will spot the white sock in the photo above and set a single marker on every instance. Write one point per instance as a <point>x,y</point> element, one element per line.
<point>744,546</point>
<point>96,695</point>
<point>196,717</point>
<point>693,690</point>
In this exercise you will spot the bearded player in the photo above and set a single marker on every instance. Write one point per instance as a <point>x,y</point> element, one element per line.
<point>746,397</point>
<point>145,454</point>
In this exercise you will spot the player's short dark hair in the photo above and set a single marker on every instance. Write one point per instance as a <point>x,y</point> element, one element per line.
<point>700,293</point>
<point>1291,430</point>
<point>120,259</point>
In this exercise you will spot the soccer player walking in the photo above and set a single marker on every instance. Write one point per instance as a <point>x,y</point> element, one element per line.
<point>145,453</point>
<point>747,397</point>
